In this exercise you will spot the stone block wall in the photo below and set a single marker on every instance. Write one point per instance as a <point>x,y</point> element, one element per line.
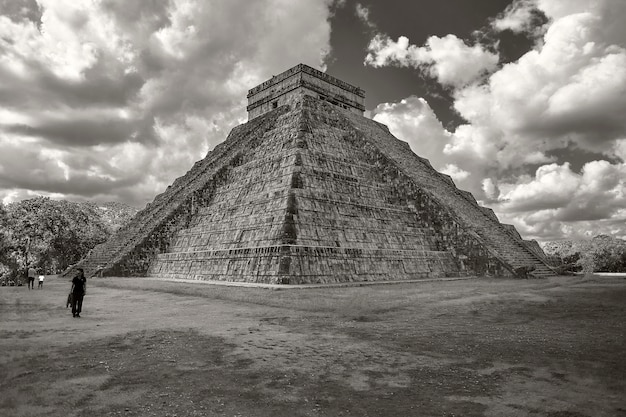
<point>289,86</point>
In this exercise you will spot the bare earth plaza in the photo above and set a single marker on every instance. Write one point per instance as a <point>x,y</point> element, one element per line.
<point>477,347</point>
<point>313,265</point>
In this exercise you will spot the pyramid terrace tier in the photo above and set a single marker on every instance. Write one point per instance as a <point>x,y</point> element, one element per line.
<point>323,223</point>
<point>291,264</point>
<point>249,211</point>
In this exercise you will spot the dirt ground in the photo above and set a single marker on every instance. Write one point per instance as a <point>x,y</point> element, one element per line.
<point>481,347</point>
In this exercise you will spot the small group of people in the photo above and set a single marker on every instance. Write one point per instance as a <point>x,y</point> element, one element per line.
<point>32,273</point>
<point>77,291</point>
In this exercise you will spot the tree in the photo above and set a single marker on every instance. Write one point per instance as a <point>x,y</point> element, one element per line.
<point>54,234</point>
<point>5,249</point>
<point>50,234</point>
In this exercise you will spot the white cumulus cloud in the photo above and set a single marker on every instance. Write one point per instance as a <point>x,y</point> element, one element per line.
<point>517,16</point>
<point>413,121</point>
<point>447,59</point>
<point>128,95</point>
<point>528,123</point>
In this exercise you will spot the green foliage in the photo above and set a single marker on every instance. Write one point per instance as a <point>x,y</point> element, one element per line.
<point>52,235</point>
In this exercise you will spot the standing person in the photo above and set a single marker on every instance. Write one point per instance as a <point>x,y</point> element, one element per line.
<point>79,287</point>
<point>31,277</point>
<point>41,278</point>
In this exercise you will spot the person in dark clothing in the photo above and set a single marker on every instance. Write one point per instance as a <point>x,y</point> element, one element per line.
<point>79,287</point>
<point>31,278</point>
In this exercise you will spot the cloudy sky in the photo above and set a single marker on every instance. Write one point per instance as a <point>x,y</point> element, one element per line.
<point>522,102</point>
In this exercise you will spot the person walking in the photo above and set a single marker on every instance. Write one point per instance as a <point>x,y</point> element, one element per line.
<point>79,288</point>
<point>41,278</point>
<point>31,278</point>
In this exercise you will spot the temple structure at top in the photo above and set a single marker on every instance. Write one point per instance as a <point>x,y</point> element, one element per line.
<point>300,80</point>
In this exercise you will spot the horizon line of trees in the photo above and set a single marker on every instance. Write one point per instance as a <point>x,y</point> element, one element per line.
<point>51,235</point>
<point>602,253</point>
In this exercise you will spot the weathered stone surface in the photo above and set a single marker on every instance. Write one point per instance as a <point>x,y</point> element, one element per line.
<point>495,237</point>
<point>289,86</point>
<point>131,249</point>
<point>311,192</point>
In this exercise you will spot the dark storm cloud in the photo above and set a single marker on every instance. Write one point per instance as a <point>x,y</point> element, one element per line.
<point>546,202</point>
<point>148,15</point>
<point>76,185</point>
<point>140,21</point>
<point>588,210</point>
<point>45,89</point>
<point>79,185</point>
<point>100,86</point>
<point>191,82</point>
<point>194,88</point>
<point>33,169</point>
<point>17,10</point>
<point>591,130</point>
<point>77,132</point>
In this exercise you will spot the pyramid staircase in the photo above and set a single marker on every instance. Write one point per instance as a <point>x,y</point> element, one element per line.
<point>310,193</point>
<point>506,246</point>
<point>129,251</point>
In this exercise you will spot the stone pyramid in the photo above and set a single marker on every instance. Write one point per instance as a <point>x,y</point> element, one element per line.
<point>310,191</point>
